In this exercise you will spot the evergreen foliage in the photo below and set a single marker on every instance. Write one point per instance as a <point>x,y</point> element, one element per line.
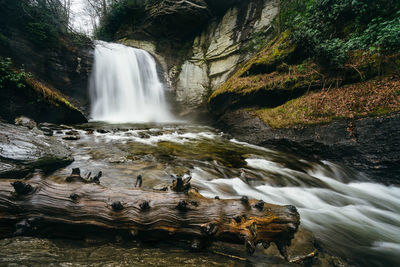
<point>119,12</point>
<point>110,23</point>
<point>10,77</point>
<point>43,22</point>
<point>329,29</point>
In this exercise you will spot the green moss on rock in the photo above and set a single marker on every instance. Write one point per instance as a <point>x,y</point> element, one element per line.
<point>49,94</point>
<point>254,73</point>
<point>30,97</point>
<point>370,98</point>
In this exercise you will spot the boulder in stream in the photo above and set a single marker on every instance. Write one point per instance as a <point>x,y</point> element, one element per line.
<point>25,121</point>
<point>23,150</point>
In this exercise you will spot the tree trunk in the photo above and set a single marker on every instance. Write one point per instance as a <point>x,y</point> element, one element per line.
<point>104,8</point>
<point>40,207</point>
<point>279,17</point>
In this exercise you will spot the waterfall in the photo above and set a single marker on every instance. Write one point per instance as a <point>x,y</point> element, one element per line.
<point>124,86</point>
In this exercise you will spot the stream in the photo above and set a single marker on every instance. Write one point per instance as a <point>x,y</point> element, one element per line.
<point>350,216</point>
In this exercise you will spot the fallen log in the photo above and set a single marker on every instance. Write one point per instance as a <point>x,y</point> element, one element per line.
<point>39,207</point>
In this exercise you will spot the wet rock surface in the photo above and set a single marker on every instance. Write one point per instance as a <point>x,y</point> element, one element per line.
<point>22,150</point>
<point>98,252</point>
<point>25,121</point>
<point>369,145</point>
<point>39,252</point>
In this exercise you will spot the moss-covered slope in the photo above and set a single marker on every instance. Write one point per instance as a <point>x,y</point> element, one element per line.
<point>370,98</point>
<point>285,90</point>
<point>23,94</point>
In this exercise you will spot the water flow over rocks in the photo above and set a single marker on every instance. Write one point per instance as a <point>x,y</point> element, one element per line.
<point>124,86</point>
<point>351,216</point>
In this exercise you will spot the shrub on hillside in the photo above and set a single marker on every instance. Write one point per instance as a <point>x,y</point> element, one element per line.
<point>11,77</point>
<point>329,29</point>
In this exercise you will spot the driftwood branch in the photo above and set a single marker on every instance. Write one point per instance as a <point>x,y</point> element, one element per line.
<point>40,207</point>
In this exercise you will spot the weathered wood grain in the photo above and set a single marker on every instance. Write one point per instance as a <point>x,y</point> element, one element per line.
<point>42,207</point>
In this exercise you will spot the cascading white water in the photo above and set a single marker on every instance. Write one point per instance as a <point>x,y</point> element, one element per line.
<point>124,86</point>
<point>350,215</point>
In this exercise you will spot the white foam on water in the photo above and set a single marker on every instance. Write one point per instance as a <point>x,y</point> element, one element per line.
<point>357,216</point>
<point>387,246</point>
<point>233,140</point>
<point>149,138</point>
<point>350,216</point>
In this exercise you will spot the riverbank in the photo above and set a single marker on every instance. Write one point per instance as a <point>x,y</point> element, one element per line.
<point>349,117</point>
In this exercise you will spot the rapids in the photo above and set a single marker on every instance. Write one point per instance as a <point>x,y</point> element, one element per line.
<point>351,216</point>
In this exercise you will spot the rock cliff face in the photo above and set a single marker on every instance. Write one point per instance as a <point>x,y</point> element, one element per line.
<point>219,49</point>
<point>65,68</point>
<point>205,41</point>
<point>39,102</point>
<point>369,145</point>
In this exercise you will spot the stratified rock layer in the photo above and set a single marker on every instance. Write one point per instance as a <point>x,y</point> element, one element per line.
<point>221,48</point>
<point>370,145</point>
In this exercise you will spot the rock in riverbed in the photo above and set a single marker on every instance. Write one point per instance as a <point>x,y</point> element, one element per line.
<point>25,121</point>
<point>23,150</point>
